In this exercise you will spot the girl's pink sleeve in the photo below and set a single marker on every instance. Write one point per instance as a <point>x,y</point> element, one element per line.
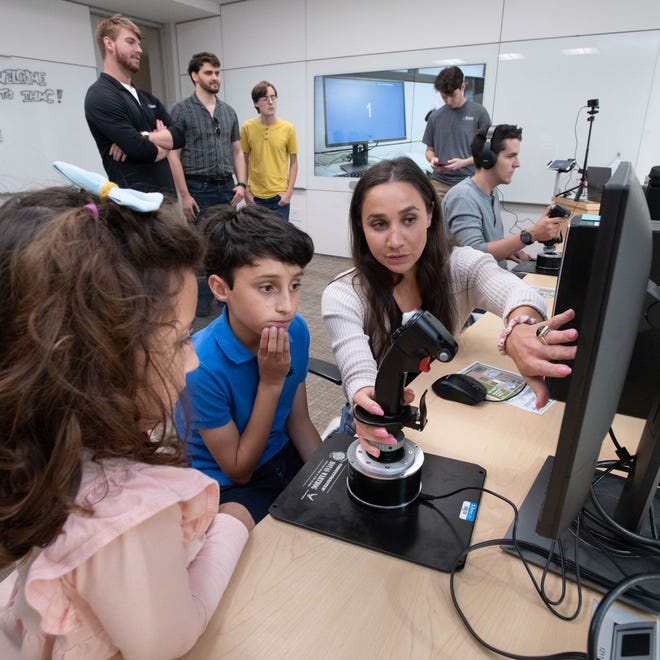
<point>210,571</point>
<point>149,602</point>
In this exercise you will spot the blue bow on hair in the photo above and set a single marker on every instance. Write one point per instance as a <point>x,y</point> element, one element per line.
<point>99,185</point>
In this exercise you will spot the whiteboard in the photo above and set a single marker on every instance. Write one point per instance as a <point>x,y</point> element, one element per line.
<point>42,119</point>
<point>543,86</point>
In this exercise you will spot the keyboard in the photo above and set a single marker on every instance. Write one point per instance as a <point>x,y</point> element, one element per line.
<point>355,172</point>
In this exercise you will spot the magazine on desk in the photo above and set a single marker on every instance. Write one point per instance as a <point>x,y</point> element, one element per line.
<point>505,386</point>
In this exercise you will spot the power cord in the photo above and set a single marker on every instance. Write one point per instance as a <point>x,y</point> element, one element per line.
<point>625,463</point>
<point>550,604</point>
<point>583,532</point>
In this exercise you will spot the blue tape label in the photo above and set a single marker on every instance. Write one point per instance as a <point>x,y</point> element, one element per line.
<point>468,511</point>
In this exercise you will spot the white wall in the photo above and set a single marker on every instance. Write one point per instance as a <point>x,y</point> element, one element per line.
<point>263,33</point>
<point>44,121</point>
<point>53,31</point>
<point>563,18</point>
<point>291,41</point>
<point>345,28</point>
<point>195,37</point>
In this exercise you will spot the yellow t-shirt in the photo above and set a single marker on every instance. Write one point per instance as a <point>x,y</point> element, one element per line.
<point>269,148</point>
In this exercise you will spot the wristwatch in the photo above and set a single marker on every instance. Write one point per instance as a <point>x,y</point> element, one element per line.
<point>526,237</point>
<point>243,185</point>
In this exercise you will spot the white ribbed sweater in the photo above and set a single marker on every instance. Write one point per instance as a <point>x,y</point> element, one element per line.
<point>476,282</point>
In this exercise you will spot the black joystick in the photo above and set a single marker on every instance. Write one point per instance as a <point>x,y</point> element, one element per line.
<point>393,480</point>
<point>549,261</point>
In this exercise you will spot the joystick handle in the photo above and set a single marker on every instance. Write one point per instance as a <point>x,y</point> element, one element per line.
<point>420,338</point>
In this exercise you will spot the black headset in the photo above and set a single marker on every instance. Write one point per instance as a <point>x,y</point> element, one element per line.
<point>488,157</point>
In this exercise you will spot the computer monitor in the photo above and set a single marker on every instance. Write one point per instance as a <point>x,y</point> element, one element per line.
<point>615,294</point>
<point>362,110</point>
<point>597,177</point>
<point>579,254</point>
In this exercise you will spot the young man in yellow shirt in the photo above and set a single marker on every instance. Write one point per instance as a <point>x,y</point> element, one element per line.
<point>271,153</point>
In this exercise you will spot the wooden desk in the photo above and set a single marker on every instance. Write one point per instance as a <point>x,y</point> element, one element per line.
<point>299,594</point>
<point>575,208</point>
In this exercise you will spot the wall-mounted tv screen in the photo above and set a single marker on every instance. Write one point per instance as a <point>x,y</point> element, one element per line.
<point>359,110</point>
<point>366,116</point>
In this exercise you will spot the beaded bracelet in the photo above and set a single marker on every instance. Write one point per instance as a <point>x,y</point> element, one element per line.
<point>501,344</point>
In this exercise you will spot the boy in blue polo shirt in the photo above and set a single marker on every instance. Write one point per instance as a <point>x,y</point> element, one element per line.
<point>249,422</point>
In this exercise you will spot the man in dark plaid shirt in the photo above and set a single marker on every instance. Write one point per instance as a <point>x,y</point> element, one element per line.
<point>204,169</point>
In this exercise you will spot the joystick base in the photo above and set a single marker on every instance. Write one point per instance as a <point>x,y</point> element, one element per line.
<point>385,485</point>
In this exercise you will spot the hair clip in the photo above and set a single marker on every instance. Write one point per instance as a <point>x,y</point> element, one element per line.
<point>93,209</point>
<point>99,185</point>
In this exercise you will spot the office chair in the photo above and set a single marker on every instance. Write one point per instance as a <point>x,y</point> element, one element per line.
<point>325,369</point>
<point>329,371</point>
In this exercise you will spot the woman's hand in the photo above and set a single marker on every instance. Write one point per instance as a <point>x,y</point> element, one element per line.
<point>532,356</point>
<point>368,433</point>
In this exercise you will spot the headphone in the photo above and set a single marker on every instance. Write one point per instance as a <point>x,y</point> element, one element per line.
<point>488,157</point>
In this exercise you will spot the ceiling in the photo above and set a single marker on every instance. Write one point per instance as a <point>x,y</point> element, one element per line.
<point>162,11</point>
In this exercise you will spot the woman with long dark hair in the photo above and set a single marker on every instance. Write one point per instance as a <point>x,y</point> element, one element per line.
<point>404,260</point>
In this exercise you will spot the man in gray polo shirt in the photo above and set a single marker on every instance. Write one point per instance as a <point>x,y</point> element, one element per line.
<point>449,131</point>
<point>204,169</point>
<point>471,209</point>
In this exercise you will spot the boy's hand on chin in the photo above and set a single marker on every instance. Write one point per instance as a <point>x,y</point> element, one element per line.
<point>273,357</point>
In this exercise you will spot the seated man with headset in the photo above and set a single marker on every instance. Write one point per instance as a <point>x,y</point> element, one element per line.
<point>471,209</point>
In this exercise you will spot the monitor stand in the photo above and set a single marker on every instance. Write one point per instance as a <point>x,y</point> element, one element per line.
<point>596,569</point>
<point>360,159</point>
<point>431,534</point>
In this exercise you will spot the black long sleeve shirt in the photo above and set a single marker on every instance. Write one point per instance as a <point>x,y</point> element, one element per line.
<point>114,116</point>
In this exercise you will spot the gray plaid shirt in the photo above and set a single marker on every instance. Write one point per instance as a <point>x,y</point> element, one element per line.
<point>206,153</point>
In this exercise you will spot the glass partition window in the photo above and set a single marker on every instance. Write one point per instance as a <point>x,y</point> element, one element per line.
<point>360,118</point>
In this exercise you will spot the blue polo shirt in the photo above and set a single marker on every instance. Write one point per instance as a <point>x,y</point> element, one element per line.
<point>224,386</point>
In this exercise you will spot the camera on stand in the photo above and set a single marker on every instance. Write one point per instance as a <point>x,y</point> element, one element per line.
<point>593,105</point>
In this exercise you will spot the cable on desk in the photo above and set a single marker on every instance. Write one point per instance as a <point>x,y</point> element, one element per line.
<point>427,499</point>
<point>564,655</point>
<point>625,463</point>
<point>621,452</point>
<point>638,540</point>
<point>588,528</point>
<point>609,553</point>
<point>517,544</point>
<point>628,460</point>
<point>562,572</point>
<point>600,532</point>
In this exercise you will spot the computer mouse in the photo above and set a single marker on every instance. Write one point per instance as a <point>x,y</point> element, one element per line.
<point>461,388</point>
